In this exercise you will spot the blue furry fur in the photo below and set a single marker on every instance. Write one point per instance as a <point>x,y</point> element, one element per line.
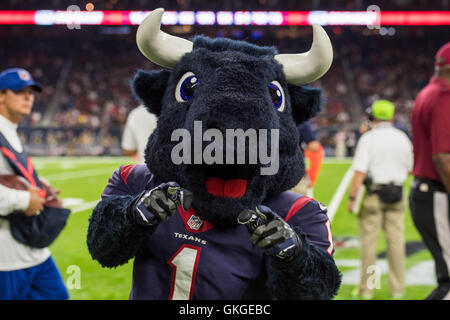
<point>224,44</point>
<point>113,235</point>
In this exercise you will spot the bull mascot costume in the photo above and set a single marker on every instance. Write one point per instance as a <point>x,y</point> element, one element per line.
<point>222,230</point>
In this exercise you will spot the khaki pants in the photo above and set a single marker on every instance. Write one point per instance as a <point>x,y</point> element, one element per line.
<point>376,215</point>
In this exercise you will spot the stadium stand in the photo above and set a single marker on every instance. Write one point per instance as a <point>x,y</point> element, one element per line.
<point>86,72</point>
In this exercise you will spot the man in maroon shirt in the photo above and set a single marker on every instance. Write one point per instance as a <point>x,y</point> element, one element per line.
<point>430,192</point>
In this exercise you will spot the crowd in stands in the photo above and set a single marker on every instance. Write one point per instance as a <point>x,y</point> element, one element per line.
<point>97,93</point>
<point>86,75</point>
<point>376,67</point>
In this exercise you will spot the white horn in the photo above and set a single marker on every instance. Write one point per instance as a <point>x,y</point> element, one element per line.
<point>303,68</point>
<point>159,47</point>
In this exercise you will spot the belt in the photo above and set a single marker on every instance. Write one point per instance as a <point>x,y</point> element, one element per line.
<point>374,187</point>
<point>426,185</point>
<point>382,185</point>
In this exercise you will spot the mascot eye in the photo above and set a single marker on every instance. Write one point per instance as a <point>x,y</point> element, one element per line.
<point>277,95</point>
<point>186,87</point>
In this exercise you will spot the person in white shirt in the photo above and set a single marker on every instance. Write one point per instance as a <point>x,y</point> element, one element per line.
<point>139,126</point>
<point>25,272</point>
<point>382,162</point>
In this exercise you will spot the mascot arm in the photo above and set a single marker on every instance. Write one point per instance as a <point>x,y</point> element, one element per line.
<point>114,236</point>
<point>313,274</point>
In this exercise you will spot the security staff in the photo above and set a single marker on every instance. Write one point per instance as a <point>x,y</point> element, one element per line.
<point>429,197</point>
<point>382,162</point>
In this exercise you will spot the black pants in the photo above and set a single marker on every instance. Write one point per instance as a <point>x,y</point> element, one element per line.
<point>429,203</point>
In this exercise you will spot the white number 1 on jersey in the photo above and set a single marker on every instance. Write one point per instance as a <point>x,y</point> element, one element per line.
<point>184,264</point>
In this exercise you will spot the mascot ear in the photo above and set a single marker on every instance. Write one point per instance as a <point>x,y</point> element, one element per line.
<point>149,87</point>
<point>306,102</point>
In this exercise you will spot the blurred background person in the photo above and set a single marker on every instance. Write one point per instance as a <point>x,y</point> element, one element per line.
<point>382,162</point>
<point>429,198</point>
<point>139,126</point>
<point>340,138</point>
<point>314,153</point>
<point>365,126</point>
<point>367,123</point>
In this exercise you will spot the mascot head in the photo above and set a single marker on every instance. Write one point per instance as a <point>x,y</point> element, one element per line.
<point>227,114</point>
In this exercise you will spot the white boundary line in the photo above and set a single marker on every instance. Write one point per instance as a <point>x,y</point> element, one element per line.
<point>80,174</point>
<point>129,160</point>
<point>84,206</point>
<point>92,159</point>
<point>339,194</point>
<point>334,160</point>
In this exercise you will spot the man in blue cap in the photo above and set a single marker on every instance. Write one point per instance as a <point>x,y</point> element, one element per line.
<point>25,272</point>
<point>17,93</point>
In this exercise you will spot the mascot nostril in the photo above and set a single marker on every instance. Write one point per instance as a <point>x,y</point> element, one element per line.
<point>209,215</point>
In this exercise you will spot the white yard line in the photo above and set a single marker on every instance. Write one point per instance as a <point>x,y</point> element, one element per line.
<point>83,160</point>
<point>79,174</point>
<point>126,160</point>
<point>73,162</point>
<point>333,160</point>
<point>84,206</point>
<point>339,194</point>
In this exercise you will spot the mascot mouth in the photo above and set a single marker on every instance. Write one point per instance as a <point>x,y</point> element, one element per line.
<point>231,188</point>
<point>228,181</point>
<point>222,191</point>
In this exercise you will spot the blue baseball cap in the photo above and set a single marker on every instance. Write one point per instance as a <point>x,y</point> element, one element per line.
<point>16,79</point>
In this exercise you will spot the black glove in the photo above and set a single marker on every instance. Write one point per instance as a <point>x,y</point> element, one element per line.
<point>160,203</point>
<point>271,233</point>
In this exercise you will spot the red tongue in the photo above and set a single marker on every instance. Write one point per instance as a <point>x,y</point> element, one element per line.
<point>232,188</point>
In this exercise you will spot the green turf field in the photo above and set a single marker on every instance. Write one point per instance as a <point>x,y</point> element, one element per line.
<point>83,179</point>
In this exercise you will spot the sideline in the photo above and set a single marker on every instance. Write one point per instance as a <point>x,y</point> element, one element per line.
<point>84,206</point>
<point>339,194</point>
<point>92,159</point>
<point>79,174</point>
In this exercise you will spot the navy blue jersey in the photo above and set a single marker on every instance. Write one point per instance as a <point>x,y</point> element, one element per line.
<point>188,258</point>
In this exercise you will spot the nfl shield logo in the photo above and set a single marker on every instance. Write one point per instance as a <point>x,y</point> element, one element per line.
<point>194,222</point>
<point>24,75</point>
